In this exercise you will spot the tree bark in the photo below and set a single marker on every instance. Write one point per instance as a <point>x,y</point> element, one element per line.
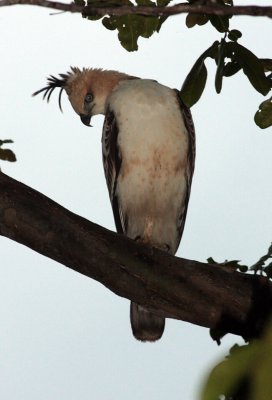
<point>212,296</point>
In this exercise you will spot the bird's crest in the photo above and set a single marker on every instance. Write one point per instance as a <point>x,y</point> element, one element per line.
<point>54,82</point>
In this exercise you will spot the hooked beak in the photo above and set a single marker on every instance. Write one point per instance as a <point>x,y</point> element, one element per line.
<point>85,119</point>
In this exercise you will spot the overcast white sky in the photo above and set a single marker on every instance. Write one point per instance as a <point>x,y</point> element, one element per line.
<point>62,335</point>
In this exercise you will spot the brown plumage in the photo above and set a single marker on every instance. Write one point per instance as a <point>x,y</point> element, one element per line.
<point>148,146</point>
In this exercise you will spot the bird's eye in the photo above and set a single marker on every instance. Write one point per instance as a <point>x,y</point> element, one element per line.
<point>88,98</point>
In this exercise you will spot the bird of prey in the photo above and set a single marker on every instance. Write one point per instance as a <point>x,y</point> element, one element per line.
<point>148,145</point>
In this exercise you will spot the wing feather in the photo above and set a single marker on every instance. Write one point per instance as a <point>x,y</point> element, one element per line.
<point>112,161</point>
<point>189,125</point>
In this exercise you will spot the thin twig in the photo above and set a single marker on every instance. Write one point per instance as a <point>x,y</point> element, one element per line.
<point>256,11</point>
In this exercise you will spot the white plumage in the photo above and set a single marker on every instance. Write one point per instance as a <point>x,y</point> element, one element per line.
<point>153,142</point>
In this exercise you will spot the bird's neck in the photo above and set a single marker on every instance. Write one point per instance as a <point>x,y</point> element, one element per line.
<point>104,82</point>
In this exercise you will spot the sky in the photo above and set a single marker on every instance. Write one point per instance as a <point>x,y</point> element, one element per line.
<point>63,335</point>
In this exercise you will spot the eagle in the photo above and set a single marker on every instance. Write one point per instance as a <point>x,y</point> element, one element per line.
<point>148,148</point>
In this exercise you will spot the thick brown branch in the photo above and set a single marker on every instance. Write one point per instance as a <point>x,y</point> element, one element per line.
<point>257,11</point>
<point>199,293</point>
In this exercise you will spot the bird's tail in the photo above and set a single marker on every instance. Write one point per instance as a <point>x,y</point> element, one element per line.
<point>145,325</point>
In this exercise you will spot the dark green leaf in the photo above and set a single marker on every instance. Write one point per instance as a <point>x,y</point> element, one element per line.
<point>244,374</point>
<point>267,64</point>
<point>268,270</point>
<point>94,17</point>
<point>252,67</point>
<point>130,27</point>
<point>217,334</point>
<point>243,268</point>
<point>7,155</point>
<point>161,20</point>
<point>80,2</point>
<point>5,141</point>
<point>234,265</point>
<point>261,262</point>
<point>231,68</point>
<point>162,3</point>
<point>234,35</point>
<point>145,3</point>
<point>262,365</point>
<point>109,23</point>
<point>263,117</point>
<point>221,23</point>
<point>220,66</point>
<point>195,81</point>
<point>227,376</point>
<point>196,19</point>
<point>210,260</point>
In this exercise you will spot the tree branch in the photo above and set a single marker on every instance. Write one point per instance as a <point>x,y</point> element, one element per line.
<point>214,9</point>
<point>203,294</point>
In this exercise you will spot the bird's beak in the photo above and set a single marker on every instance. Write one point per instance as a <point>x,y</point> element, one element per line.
<point>85,119</point>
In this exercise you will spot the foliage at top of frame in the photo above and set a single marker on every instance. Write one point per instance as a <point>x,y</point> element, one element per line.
<point>230,56</point>
<point>131,26</point>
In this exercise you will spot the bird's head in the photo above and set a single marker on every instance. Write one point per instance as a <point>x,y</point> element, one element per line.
<point>87,90</point>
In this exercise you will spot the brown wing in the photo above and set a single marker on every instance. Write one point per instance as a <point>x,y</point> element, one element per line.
<point>189,124</point>
<point>112,160</point>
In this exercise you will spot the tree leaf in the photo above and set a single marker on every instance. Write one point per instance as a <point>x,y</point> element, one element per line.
<point>195,81</point>
<point>234,35</point>
<point>245,373</point>
<point>263,117</point>
<point>252,67</point>
<point>109,23</point>
<point>80,2</point>
<point>267,64</point>
<point>231,68</point>
<point>210,260</point>
<point>220,66</point>
<point>162,3</point>
<point>145,3</point>
<point>268,270</point>
<point>5,141</point>
<point>7,155</point>
<point>228,375</point>
<point>130,27</point>
<point>221,23</point>
<point>261,376</point>
<point>196,19</point>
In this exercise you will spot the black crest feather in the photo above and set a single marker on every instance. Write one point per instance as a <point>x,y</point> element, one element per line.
<point>54,82</point>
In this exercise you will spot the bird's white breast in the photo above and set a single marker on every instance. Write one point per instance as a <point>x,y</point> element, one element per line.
<point>153,142</point>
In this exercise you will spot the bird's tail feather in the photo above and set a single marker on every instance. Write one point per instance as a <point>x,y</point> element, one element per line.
<point>145,325</point>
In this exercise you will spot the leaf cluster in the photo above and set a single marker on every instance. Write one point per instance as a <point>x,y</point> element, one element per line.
<point>230,57</point>
<point>221,23</point>
<point>244,374</point>
<point>131,26</point>
<point>261,266</point>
